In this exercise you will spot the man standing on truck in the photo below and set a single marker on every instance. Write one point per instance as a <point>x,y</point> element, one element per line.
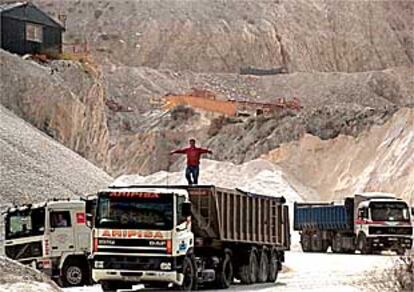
<point>193,161</point>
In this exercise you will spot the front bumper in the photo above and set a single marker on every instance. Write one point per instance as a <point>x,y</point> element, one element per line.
<point>391,242</point>
<point>137,276</point>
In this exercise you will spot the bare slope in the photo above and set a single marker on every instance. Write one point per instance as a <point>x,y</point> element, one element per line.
<point>67,102</point>
<point>381,159</point>
<point>222,36</point>
<point>333,103</point>
<point>34,167</point>
<point>234,139</point>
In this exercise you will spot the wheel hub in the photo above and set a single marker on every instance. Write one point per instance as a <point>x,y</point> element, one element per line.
<point>74,275</point>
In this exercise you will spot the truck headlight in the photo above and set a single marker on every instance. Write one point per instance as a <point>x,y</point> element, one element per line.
<point>165,266</point>
<point>99,264</point>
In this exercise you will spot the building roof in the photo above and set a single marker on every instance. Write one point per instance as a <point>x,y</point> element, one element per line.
<point>6,7</point>
<point>9,6</point>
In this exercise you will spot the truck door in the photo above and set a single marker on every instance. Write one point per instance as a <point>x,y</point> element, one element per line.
<point>61,231</point>
<point>184,238</point>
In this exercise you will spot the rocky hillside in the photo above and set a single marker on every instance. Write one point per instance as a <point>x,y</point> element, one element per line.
<point>68,99</point>
<point>332,103</point>
<point>381,159</point>
<point>222,36</point>
<point>64,99</point>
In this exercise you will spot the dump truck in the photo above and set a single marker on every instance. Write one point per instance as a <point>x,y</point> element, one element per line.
<point>367,222</point>
<point>53,237</point>
<point>187,236</point>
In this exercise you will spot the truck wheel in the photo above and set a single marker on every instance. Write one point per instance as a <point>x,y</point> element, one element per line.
<point>316,243</point>
<point>113,286</point>
<point>305,243</point>
<point>249,271</point>
<point>74,273</point>
<point>364,244</point>
<point>263,267</point>
<point>273,267</point>
<point>337,244</point>
<point>190,274</point>
<point>401,252</point>
<point>225,273</point>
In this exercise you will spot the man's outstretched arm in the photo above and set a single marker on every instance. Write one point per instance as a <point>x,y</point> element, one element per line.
<point>205,150</point>
<point>179,151</point>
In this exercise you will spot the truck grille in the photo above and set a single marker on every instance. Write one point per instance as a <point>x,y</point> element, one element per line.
<point>132,246</point>
<point>391,230</point>
<point>25,250</point>
<point>134,263</point>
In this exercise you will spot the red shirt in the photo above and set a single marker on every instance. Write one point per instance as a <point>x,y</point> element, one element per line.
<point>193,154</point>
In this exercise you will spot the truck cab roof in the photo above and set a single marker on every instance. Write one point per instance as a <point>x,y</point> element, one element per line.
<point>67,204</point>
<point>377,195</point>
<point>147,189</point>
<point>380,200</point>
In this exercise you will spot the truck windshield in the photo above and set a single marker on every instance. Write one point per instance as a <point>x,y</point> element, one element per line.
<point>25,223</point>
<point>135,211</point>
<point>389,211</point>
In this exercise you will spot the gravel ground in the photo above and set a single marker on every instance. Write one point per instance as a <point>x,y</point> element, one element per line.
<point>34,167</point>
<point>321,272</point>
<point>18,278</point>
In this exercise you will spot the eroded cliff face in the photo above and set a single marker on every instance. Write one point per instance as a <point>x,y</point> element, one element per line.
<point>381,159</point>
<point>333,104</point>
<point>63,99</point>
<point>222,36</point>
<point>209,38</point>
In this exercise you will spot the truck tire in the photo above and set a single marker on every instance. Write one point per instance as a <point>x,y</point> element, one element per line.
<point>224,273</point>
<point>263,266</point>
<point>337,244</point>
<point>316,243</point>
<point>113,286</point>
<point>364,244</point>
<point>249,271</point>
<point>400,252</point>
<point>190,274</point>
<point>74,273</point>
<point>305,243</point>
<point>273,267</point>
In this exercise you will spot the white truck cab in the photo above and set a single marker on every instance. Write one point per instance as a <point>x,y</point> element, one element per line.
<point>382,221</point>
<point>141,235</point>
<point>53,237</point>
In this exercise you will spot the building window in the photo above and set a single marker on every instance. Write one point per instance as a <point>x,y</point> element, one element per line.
<point>34,32</point>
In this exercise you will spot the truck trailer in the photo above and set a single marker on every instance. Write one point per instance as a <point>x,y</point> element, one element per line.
<point>53,237</point>
<point>186,236</point>
<point>368,222</point>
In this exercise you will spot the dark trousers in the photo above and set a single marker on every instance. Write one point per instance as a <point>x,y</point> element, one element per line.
<point>191,174</point>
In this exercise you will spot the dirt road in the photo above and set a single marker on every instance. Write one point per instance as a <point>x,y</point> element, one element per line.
<point>319,272</point>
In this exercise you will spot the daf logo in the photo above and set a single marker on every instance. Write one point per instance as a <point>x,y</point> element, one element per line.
<point>157,243</point>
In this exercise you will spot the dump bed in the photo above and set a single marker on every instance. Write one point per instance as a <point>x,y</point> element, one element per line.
<point>233,215</point>
<point>322,216</point>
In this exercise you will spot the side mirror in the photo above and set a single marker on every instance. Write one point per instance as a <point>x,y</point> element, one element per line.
<point>186,209</point>
<point>89,219</point>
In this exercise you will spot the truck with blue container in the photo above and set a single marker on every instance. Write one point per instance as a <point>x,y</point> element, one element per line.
<point>367,222</point>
